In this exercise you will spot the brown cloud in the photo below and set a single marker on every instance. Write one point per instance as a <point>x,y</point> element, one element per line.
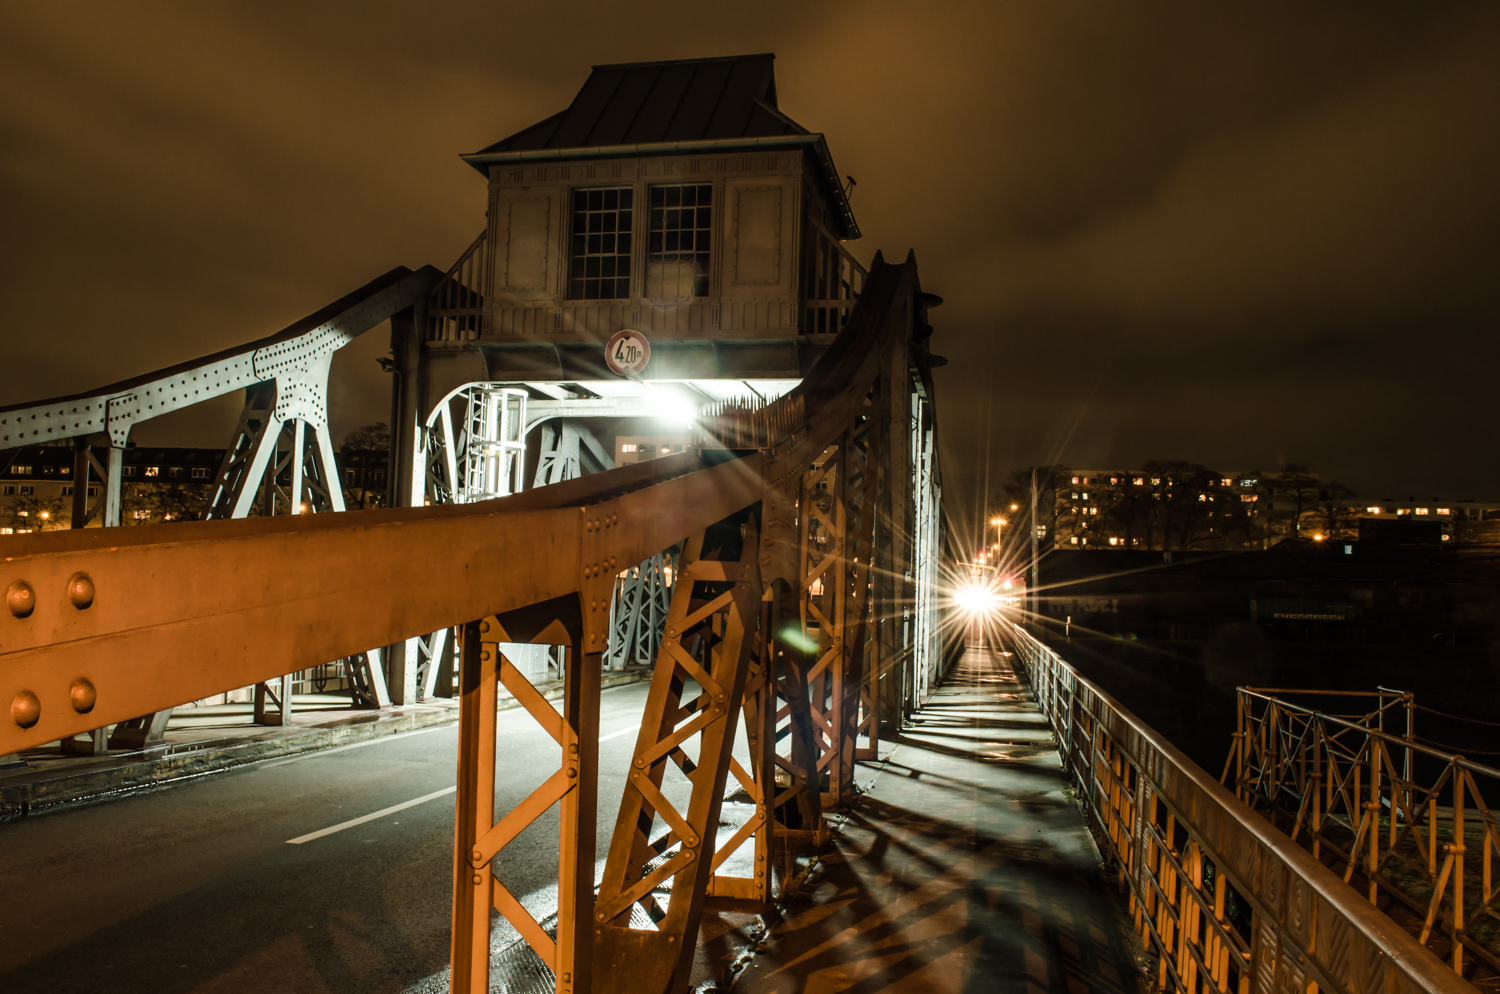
<point>1233,234</point>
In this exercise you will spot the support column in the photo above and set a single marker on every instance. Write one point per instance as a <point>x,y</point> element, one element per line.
<point>477,703</point>
<point>294,489</point>
<point>112,486</point>
<point>404,481</point>
<point>401,671</point>
<point>579,828</point>
<point>80,483</point>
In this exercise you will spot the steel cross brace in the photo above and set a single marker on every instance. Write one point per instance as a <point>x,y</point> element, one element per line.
<point>709,641</point>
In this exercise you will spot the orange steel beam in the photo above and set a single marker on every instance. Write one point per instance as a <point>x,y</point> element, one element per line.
<point>102,626</point>
<point>98,624</point>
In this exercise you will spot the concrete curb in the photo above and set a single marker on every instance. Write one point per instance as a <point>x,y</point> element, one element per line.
<point>38,792</point>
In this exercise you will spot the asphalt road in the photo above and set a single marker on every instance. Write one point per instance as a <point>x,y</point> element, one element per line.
<point>199,887</point>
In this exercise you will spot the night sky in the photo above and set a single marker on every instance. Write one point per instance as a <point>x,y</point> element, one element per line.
<point>1240,235</point>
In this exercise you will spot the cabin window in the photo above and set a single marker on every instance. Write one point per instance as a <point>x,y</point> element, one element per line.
<point>677,254</point>
<point>599,254</point>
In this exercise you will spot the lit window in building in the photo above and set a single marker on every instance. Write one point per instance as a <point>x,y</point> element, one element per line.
<point>599,256</point>
<point>1093,510</point>
<point>142,515</point>
<point>1372,510</point>
<point>49,470</point>
<point>1421,510</point>
<point>7,531</point>
<point>152,471</point>
<point>1249,498</point>
<point>1226,483</point>
<point>1074,539</point>
<point>1248,483</point>
<point>1085,496</point>
<point>666,449</point>
<point>1203,497</point>
<point>21,470</point>
<point>1140,481</point>
<point>27,491</point>
<point>1114,541</point>
<point>1401,510</point>
<point>677,252</point>
<point>1075,479</point>
<point>200,472</point>
<point>1445,510</point>
<point>627,447</point>
<point>1155,481</point>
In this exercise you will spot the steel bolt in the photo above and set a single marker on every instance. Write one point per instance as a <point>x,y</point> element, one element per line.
<point>600,916</point>
<point>484,626</point>
<point>81,590</point>
<point>26,710</point>
<point>20,598</point>
<point>572,772</point>
<point>82,695</point>
<point>478,879</point>
<point>477,855</point>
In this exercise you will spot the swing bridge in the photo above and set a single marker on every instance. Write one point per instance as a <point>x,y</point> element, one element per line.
<point>778,570</point>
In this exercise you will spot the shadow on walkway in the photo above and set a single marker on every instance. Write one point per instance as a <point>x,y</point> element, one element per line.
<point>965,868</point>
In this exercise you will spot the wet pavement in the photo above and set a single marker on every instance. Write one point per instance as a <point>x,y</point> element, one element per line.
<point>965,867</point>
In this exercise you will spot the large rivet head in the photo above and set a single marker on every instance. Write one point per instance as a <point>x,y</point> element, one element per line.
<point>25,709</point>
<point>80,590</point>
<point>20,598</point>
<point>82,695</point>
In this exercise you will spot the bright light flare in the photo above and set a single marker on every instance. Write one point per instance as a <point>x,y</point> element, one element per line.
<point>672,406</point>
<point>977,598</point>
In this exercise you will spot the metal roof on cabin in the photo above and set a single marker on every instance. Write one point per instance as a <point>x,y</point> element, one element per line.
<point>646,102</point>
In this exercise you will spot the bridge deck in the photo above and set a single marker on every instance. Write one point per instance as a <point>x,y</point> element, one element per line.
<point>966,867</point>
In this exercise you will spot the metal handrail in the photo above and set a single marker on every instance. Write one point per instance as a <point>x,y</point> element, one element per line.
<point>1336,781</point>
<point>1426,750</point>
<point>1308,926</point>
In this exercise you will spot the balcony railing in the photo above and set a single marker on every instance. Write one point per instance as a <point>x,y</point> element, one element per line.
<point>455,308</point>
<point>831,281</point>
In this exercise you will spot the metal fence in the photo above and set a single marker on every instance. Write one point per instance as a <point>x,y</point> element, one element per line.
<point>1371,803</point>
<point>1221,899</point>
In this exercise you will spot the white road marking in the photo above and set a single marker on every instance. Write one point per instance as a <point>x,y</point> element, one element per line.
<point>615,735</point>
<point>354,822</point>
<point>398,737</point>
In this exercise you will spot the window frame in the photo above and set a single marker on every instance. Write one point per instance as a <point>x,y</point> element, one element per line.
<point>630,231</point>
<point>702,226</point>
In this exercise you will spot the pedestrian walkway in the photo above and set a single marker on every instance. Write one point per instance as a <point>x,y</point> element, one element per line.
<point>965,867</point>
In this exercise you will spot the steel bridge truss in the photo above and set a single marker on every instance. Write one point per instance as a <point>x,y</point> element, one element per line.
<point>792,616</point>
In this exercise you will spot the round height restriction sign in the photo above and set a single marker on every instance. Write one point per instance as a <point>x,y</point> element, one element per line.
<point>627,352</point>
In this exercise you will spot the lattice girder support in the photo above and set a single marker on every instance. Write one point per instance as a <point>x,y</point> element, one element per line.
<point>709,640</point>
<point>822,595</point>
<point>573,787</point>
<point>642,598</point>
<point>860,453</point>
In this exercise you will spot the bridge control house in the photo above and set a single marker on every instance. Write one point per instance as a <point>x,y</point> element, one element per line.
<point>674,198</point>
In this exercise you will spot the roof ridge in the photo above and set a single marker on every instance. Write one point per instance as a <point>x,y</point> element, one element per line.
<point>681,62</point>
